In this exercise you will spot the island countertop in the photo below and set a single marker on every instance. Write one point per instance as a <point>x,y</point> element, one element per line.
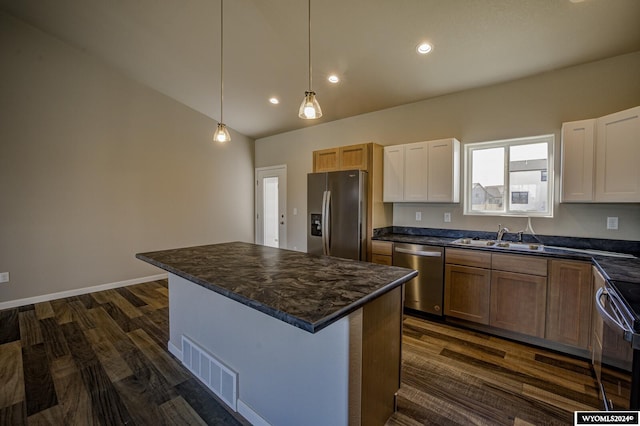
<point>304,290</point>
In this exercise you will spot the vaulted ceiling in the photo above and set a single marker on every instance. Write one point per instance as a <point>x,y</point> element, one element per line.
<point>174,47</point>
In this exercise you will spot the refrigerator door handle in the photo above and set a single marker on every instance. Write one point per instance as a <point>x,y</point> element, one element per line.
<point>323,225</point>
<point>327,224</point>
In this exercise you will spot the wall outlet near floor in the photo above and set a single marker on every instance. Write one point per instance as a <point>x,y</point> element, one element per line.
<point>447,217</point>
<point>4,277</point>
<point>612,222</point>
<point>418,216</point>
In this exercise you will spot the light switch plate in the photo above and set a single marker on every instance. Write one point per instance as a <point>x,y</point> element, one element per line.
<point>4,277</point>
<point>418,216</point>
<point>612,222</point>
<point>447,217</point>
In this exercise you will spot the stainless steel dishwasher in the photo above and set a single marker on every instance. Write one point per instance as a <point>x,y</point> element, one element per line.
<point>425,292</point>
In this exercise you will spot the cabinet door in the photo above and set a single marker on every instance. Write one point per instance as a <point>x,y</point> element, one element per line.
<point>393,173</point>
<point>518,302</point>
<point>353,157</point>
<point>617,154</point>
<point>416,162</point>
<point>326,160</point>
<point>569,303</point>
<point>443,171</point>
<point>466,293</point>
<point>577,173</point>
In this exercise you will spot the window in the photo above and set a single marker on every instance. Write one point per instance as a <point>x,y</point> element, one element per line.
<point>509,178</point>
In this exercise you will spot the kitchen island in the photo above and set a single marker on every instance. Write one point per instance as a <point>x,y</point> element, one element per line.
<point>285,337</point>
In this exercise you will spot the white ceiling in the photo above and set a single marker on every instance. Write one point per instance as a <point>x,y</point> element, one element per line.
<point>173,47</point>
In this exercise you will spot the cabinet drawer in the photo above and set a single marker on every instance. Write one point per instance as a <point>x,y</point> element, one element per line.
<point>476,258</point>
<point>384,248</point>
<point>521,264</point>
<point>381,259</point>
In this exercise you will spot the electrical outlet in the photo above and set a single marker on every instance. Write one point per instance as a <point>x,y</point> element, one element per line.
<point>418,216</point>
<point>612,222</point>
<point>447,217</point>
<point>4,277</point>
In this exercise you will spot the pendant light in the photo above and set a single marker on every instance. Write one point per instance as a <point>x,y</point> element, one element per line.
<point>221,134</point>
<point>310,108</point>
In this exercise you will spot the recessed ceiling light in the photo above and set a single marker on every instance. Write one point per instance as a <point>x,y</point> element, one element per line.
<point>274,101</point>
<point>333,78</point>
<point>424,48</point>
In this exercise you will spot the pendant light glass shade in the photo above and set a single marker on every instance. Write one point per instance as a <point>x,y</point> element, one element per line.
<point>310,108</point>
<point>221,134</point>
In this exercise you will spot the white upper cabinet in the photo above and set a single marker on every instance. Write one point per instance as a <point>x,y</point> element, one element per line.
<point>618,157</point>
<point>578,147</point>
<point>422,172</point>
<point>600,159</point>
<point>393,173</point>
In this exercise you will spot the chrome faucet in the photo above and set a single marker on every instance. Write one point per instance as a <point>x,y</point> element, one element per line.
<point>501,232</point>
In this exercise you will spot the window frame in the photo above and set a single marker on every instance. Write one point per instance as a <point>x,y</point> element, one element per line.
<point>506,143</point>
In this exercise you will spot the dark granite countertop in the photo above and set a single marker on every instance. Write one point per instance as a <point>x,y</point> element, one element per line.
<point>613,268</point>
<point>304,290</point>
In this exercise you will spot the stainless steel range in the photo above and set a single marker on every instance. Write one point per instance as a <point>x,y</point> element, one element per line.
<point>617,344</point>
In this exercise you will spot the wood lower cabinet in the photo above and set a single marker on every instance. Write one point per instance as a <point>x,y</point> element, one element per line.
<point>382,252</point>
<point>569,303</point>
<point>518,302</point>
<point>467,284</point>
<point>466,293</point>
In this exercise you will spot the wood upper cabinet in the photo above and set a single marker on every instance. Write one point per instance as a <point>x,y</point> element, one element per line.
<point>600,158</point>
<point>467,285</point>
<point>578,148</point>
<point>352,157</point>
<point>618,156</point>
<point>422,172</point>
<point>569,303</point>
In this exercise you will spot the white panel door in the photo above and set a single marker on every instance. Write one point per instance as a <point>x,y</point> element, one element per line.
<point>271,206</point>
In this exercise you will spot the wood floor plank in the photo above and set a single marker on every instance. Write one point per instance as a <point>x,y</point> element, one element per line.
<point>62,311</point>
<point>39,390</point>
<point>150,296</point>
<point>122,303</point>
<point>106,403</point>
<point>14,415</point>
<point>131,297</point>
<point>207,405</point>
<point>49,417</point>
<point>10,329</point>
<point>44,310</point>
<point>165,363</point>
<point>178,412</point>
<point>73,398</point>
<point>11,375</point>
<point>30,333</point>
<point>53,338</point>
<point>80,314</point>
<point>140,401</point>
<point>116,368</point>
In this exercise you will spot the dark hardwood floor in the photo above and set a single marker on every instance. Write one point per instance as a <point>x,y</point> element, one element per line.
<point>101,358</point>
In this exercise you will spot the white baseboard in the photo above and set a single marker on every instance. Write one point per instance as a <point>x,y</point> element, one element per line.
<point>251,416</point>
<point>76,292</point>
<point>173,350</point>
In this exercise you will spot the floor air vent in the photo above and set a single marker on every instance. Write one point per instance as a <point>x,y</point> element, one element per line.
<point>211,371</point>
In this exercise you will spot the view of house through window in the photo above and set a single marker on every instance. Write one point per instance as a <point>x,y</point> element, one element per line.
<point>510,177</point>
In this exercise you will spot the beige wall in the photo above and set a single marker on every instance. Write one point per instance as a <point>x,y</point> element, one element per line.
<point>526,107</point>
<point>95,167</point>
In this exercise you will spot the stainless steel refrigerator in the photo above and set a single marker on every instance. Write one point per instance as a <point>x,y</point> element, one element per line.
<point>337,214</point>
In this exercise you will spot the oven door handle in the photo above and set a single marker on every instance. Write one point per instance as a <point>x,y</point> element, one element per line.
<point>627,333</point>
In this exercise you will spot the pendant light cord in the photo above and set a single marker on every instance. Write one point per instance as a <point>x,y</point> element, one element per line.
<point>221,58</point>
<point>309,38</point>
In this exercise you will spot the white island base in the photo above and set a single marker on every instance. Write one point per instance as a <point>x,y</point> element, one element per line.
<point>345,374</point>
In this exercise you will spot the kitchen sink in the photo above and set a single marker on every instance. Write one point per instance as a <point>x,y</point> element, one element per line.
<point>498,244</point>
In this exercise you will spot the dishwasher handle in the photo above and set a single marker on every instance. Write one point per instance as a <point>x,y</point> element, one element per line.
<point>422,253</point>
